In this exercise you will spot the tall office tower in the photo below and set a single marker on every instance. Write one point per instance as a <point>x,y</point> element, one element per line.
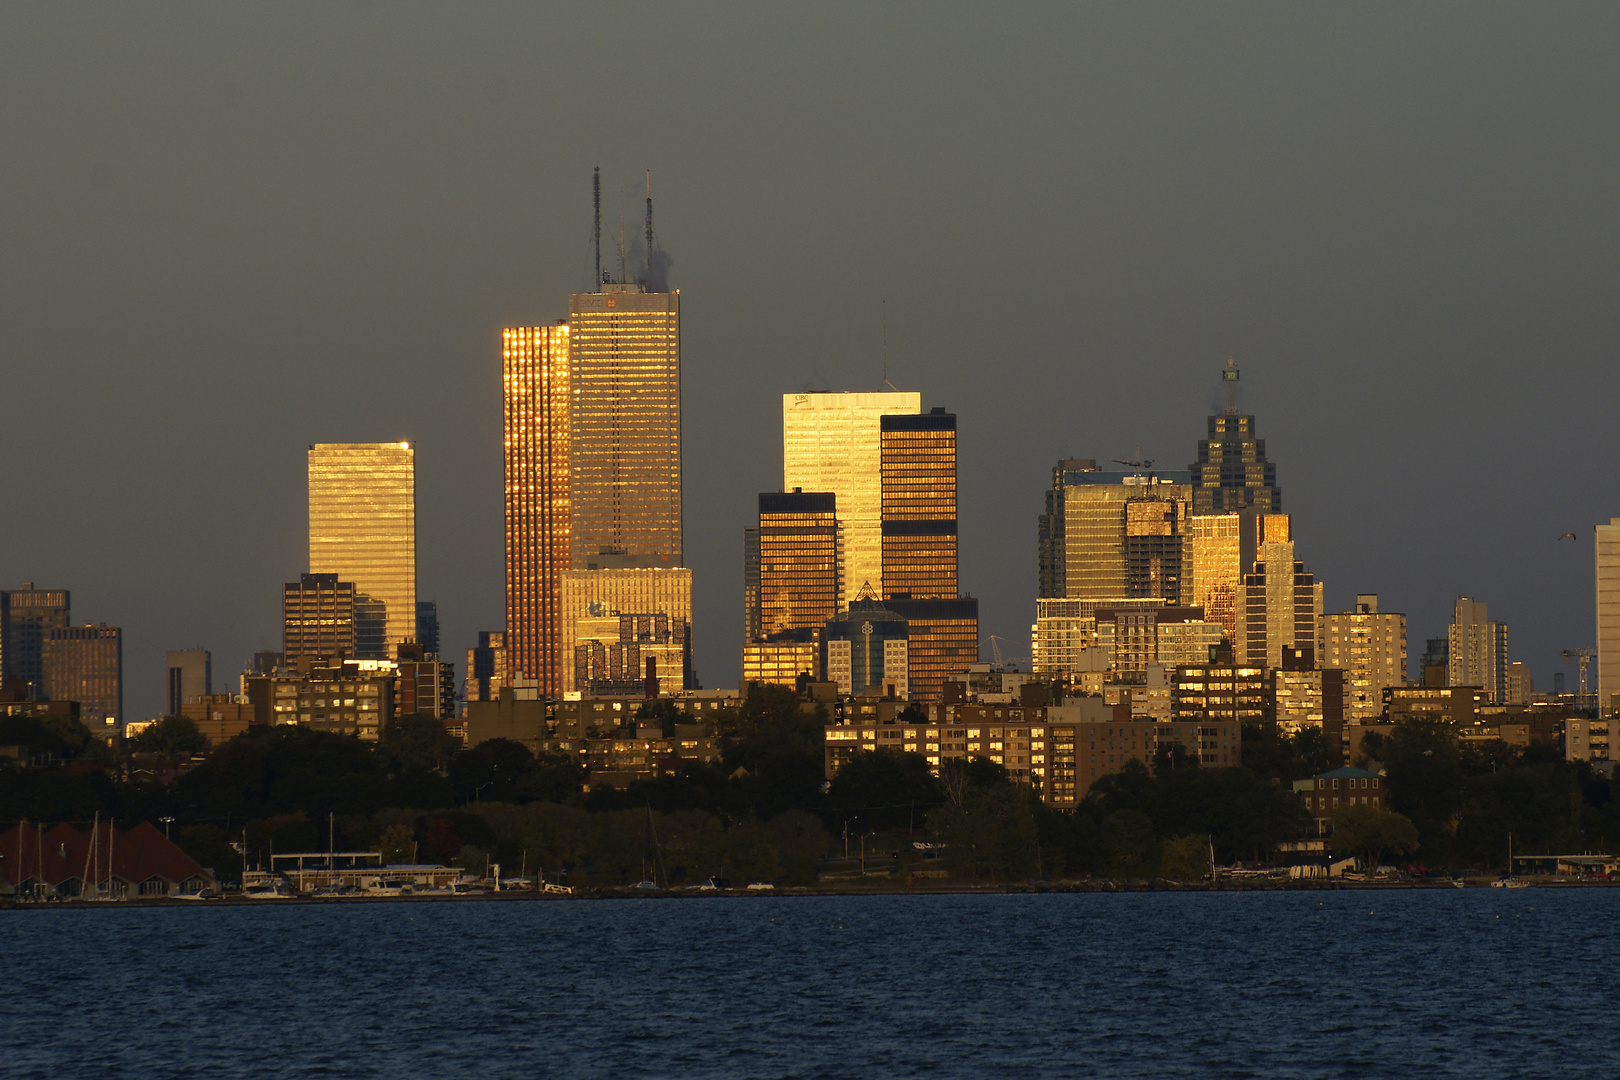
<point>1369,646</point>
<point>624,372</point>
<point>1232,472</point>
<point>790,583</point>
<point>318,618</point>
<point>1223,545</point>
<point>919,504</point>
<point>942,640</point>
<point>427,625</point>
<point>362,526</point>
<point>86,664</point>
<point>486,666</point>
<point>1478,650</point>
<point>25,615</point>
<point>1282,600</point>
<point>793,574</point>
<point>1114,535</point>
<point>611,654</point>
<point>834,443</point>
<point>1607,578</point>
<point>538,503</point>
<point>609,593</point>
<point>191,675</point>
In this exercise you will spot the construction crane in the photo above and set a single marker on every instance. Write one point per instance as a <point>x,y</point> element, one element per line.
<point>1138,462</point>
<point>995,651</point>
<point>1584,656</point>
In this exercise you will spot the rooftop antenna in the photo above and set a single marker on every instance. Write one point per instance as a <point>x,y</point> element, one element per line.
<point>596,229</point>
<point>886,381</point>
<point>621,247</point>
<point>1229,381</point>
<point>649,223</point>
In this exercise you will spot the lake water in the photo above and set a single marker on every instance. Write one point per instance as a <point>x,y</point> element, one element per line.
<point>1467,983</point>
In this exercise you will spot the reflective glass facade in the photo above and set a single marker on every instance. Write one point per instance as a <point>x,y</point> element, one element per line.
<point>589,596</point>
<point>833,442</point>
<point>919,505</point>
<point>1107,535</point>
<point>1281,604</point>
<point>866,650</point>
<point>1222,546</point>
<point>86,664</point>
<point>26,615</point>
<point>792,572</point>
<point>942,639</point>
<point>362,525</point>
<point>624,350</point>
<point>1232,472</point>
<point>535,369</point>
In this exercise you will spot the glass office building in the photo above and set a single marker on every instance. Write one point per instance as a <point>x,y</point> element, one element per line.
<point>1107,535</point>
<point>362,525</point>
<point>26,614</point>
<point>86,664</point>
<point>791,572</point>
<point>591,596</point>
<point>919,504</point>
<point>624,371</point>
<point>535,369</point>
<point>833,443</point>
<point>318,618</point>
<point>942,639</point>
<point>1232,472</point>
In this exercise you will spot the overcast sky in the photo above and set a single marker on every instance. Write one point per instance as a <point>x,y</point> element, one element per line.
<point>228,231</point>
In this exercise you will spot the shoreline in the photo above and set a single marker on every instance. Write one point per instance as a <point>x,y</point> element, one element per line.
<point>1104,885</point>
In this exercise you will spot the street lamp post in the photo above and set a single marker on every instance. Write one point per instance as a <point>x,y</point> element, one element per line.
<point>165,821</point>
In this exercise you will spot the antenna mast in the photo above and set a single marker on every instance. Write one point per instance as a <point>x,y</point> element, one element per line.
<point>596,228</point>
<point>886,381</point>
<point>1229,381</point>
<point>649,223</point>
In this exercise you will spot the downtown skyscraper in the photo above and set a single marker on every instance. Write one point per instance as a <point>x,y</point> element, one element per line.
<point>535,368</point>
<point>833,443</point>
<point>624,371</point>
<point>362,526</point>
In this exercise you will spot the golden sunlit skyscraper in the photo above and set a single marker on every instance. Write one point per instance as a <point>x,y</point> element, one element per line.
<point>833,443</point>
<point>624,353</point>
<point>535,364</point>
<point>919,505</point>
<point>362,525</point>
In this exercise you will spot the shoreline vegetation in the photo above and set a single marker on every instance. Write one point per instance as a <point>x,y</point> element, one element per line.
<point>764,812</point>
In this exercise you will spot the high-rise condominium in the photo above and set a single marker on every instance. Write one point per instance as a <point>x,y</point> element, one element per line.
<point>1232,472</point>
<point>362,526</point>
<point>624,372</point>
<point>1608,615</point>
<point>538,504</point>
<point>1369,646</point>
<point>1114,535</point>
<point>833,443</point>
<point>1478,649</point>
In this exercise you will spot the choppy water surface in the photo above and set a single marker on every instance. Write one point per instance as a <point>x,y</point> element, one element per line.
<point>1475,983</point>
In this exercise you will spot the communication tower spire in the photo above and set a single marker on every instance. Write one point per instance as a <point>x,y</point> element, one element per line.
<point>596,228</point>
<point>1229,382</point>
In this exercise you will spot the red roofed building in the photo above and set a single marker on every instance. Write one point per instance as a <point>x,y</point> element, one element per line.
<point>117,864</point>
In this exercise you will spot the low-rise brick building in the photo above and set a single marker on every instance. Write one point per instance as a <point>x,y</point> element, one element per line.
<point>1327,792</point>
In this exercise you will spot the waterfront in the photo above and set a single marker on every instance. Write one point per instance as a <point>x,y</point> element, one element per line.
<point>1475,983</point>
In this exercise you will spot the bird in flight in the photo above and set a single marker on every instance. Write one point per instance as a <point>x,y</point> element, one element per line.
<point>1569,536</point>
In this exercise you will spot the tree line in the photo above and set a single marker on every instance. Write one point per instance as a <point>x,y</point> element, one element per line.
<point>765,811</point>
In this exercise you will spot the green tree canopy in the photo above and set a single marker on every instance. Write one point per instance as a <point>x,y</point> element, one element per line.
<point>176,735</point>
<point>1370,833</point>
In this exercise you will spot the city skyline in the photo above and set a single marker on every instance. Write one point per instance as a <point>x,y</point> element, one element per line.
<point>1386,276</point>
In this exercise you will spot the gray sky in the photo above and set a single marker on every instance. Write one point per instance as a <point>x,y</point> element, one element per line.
<point>229,231</point>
